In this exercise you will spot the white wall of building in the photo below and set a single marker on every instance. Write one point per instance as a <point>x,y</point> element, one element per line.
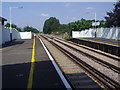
<point>75,34</point>
<point>25,35</point>
<point>108,33</point>
<point>5,34</point>
<point>15,34</point>
<point>0,34</point>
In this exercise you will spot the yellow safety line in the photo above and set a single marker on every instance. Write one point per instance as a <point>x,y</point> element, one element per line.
<point>33,51</point>
<point>30,79</point>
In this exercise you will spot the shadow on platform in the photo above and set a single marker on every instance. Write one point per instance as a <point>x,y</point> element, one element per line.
<point>45,75</point>
<point>11,43</point>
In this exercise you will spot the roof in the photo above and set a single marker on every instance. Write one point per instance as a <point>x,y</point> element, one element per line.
<point>2,19</point>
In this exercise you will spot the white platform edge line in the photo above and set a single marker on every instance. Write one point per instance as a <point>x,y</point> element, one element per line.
<point>56,67</point>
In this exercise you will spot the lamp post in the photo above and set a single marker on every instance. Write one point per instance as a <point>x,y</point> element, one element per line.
<point>10,8</point>
<point>95,25</point>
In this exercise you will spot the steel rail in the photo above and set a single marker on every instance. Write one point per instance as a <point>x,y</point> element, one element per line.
<point>105,80</point>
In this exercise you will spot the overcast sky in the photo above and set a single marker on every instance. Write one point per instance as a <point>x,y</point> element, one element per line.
<point>35,13</point>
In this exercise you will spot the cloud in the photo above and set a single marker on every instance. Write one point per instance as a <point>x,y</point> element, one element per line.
<point>73,18</point>
<point>67,5</point>
<point>89,8</point>
<point>67,17</point>
<point>44,14</point>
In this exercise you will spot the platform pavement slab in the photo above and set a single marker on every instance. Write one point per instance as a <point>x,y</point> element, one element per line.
<point>17,64</point>
<point>19,51</point>
<point>16,58</point>
<point>45,75</point>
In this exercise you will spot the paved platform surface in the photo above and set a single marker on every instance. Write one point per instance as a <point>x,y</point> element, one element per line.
<point>16,65</point>
<point>109,41</point>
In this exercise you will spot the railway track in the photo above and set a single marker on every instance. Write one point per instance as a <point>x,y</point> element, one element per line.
<point>99,76</point>
<point>96,59</point>
<point>108,60</point>
<point>116,58</point>
<point>71,70</point>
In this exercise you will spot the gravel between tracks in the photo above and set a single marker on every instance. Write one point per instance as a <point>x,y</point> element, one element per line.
<point>104,58</point>
<point>63,61</point>
<point>68,66</point>
<point>106,71</point>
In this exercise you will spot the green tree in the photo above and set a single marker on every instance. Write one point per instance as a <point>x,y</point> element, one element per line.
<point>64,28</point>
<point>85,24</point>
<point>102,23</point>
<point>51,25</point>
<point>30,29</point>
<point>7,25</point>
<point>13,26</point>
<point>113,18</point>
<point>19,29</point>
<point>80,25</point>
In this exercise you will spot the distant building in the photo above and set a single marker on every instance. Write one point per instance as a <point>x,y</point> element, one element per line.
<point>2,20</point>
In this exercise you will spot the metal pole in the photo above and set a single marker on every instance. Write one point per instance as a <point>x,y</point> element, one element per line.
<point>10,25</point>
<point>95,25</point>
<point>11,21</point>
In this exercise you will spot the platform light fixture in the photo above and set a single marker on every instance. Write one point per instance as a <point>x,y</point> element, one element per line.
<point>10,8</point>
